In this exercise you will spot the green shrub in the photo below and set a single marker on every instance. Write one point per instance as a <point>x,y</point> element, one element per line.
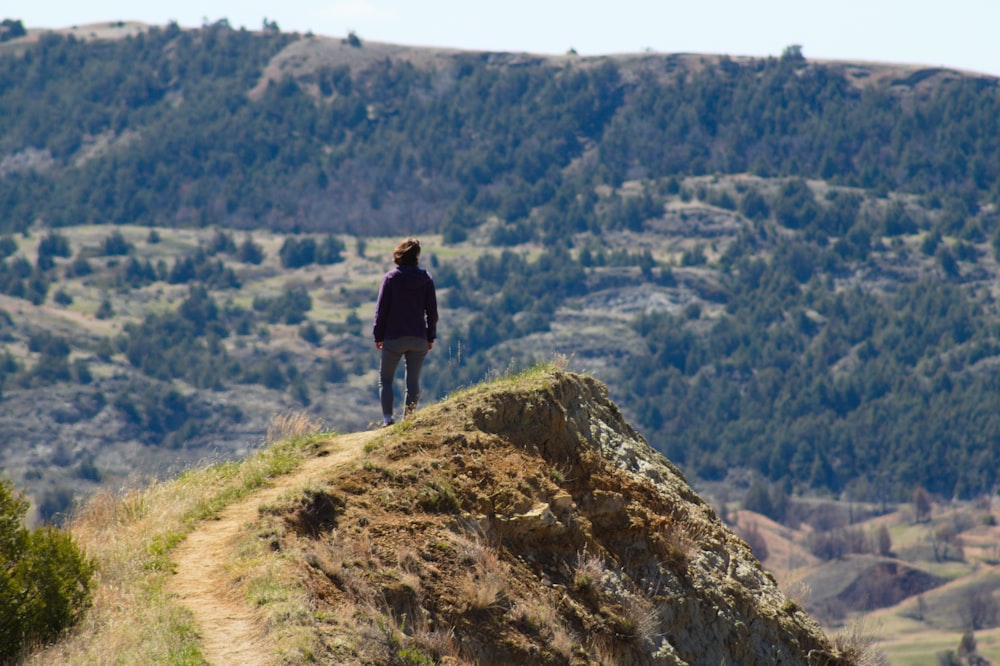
<point>438,495</point>
<point>45,583</point>
<point>115,245</point>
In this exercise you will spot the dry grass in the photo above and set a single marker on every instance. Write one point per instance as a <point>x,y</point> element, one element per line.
<point>404,641</point>
<point>799,593</point>
<point>854,646</point>
<point>483,587</point>
<point>536,376</point>
<point>360,549</point>
<point>377,631</point>
<point>640,619</point>
<point>357,590</point>
<point>614,653</point>
<point>269,581</point>
<point>130,535</point>
<point>563,641</point>
<point>438,494</point>
<point>589,570</point>
<point>292,425</point>
<point>913,649</point>
<point>329,562</point>
<point>420,636</point>
<point>678,544</point>
<point>345,559</point>
<point>541,618</point>
<point>560,361</point>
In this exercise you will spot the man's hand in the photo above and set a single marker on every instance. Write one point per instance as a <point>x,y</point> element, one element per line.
<point>378,345</point>
<point>430,346</point>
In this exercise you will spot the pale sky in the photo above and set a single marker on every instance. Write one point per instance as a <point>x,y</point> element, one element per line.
<point>953,33</point>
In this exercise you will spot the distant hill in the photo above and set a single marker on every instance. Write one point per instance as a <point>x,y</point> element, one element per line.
<point>778,266</point>
<point>222,126</point>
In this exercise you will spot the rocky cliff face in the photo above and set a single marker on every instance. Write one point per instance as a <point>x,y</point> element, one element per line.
<point>525,522</point>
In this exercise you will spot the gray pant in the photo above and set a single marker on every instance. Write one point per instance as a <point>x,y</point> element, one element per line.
<point>414,350</point>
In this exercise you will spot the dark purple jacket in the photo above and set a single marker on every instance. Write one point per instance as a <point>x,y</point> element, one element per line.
<point>406,306</point>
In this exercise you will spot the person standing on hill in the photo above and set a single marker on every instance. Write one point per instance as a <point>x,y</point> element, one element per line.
<point>405,325</point>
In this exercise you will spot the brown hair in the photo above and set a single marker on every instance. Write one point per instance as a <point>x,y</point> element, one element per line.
<point>407,253</point>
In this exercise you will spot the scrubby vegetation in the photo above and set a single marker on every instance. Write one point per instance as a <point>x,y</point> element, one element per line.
<point>131,537</point>
<point>46,581</point>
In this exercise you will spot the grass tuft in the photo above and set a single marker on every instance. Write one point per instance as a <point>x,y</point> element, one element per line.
<point>854,647</point>
<point>292,426</point>
<point>483,586</point>
<point>439,495</point>
<point>589,570</point>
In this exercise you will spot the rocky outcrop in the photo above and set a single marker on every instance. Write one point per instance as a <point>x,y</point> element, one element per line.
<point>715,603</point>
<point>528,523</point>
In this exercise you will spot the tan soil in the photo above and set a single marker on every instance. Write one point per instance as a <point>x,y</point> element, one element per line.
<point>231,632</point>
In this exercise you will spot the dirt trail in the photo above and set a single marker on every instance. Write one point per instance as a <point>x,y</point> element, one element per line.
<point>229,628</point>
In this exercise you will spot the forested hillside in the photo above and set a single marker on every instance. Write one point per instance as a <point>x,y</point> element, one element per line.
<point>775,264</point>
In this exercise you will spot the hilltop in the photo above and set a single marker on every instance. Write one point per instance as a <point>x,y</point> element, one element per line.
<point>519,521</point>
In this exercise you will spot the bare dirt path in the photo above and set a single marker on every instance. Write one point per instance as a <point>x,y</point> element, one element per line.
<point>229,629</point>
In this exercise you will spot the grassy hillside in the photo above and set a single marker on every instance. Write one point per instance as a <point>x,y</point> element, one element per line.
<point>132,537</point>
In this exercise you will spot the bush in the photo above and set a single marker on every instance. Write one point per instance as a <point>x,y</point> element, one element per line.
<point>289,308</point>
<point>352,39</point>
<point>62,298</point>
<point>250,252</point>
<point>45,582</point>
<point>330,251</point>
<point>115,245</point>
<point>79,268</point>
<point>11,29</point>
<point>310,333</point>
<point>221,243</point>
<point>770,502</point>
<point>104,310</point>
<point>54,245</point>
<point>333,372</point>
<point>297,253</point>
<point>754,206</point>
